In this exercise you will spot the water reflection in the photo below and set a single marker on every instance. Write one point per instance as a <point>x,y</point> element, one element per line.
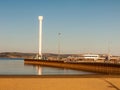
<point>17,67</point>
<point>39,70</point>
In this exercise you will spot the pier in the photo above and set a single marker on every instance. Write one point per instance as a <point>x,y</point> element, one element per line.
<point>98,67</point>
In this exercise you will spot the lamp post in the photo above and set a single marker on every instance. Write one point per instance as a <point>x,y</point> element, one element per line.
<point>59,46</point>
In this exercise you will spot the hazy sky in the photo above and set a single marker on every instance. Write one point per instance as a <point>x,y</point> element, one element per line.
<point>86,26</point>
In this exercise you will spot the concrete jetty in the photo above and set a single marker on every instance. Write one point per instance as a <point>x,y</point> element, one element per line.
<point>105,68</point>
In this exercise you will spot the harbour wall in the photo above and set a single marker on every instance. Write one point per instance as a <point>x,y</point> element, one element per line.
<point>105,68</point>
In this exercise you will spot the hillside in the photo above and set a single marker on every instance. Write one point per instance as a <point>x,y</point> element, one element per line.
<point>29,55</point>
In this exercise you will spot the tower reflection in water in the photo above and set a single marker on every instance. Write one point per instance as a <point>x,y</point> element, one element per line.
<point>39,70</point>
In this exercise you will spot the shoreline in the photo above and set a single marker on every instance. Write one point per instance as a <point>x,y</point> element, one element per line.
<point>61,76</point>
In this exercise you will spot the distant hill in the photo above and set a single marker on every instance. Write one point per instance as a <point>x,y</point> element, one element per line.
<point>16,55</point>
<point>30,55</point>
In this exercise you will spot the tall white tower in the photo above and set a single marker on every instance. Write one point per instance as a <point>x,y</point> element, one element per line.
<point>40,18</point>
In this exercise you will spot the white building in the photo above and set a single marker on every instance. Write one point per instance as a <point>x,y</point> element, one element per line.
<point>91,56</point>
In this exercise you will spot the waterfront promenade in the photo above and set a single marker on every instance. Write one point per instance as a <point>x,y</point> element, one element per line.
<point>59,83</point>
<point>98,67</point>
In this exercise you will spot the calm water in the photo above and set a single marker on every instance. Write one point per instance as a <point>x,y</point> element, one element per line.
<point>17,67</point>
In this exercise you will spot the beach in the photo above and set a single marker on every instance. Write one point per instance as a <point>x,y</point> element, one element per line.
<point>59,83</point>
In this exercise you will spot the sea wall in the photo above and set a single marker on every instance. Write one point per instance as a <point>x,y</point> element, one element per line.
<point>106,68</point>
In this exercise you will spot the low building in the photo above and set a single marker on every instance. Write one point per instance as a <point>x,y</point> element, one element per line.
<point>91,56</point>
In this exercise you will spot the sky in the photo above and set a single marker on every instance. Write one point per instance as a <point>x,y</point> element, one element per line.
<point>86,26</point>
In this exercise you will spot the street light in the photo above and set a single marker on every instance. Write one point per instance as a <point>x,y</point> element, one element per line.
<point>59,45</point>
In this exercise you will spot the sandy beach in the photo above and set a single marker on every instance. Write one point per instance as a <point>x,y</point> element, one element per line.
<point>59,83</point>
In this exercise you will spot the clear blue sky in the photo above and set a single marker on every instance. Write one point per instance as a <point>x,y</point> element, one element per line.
<point>86,26</point>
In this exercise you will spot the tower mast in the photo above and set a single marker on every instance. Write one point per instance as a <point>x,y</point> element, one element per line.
<point>40,18</point>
